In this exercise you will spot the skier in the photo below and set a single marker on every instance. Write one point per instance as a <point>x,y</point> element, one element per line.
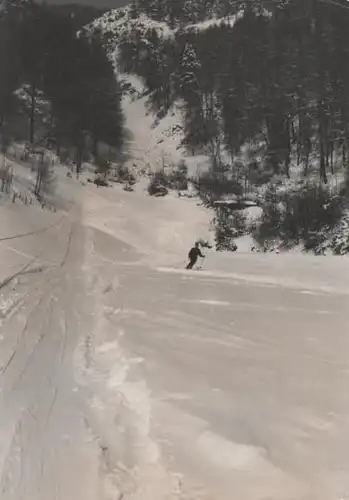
<point>193,255</point>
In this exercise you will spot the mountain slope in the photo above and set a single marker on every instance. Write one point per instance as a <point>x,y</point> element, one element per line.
<point>154,143</point>
<point>258,90</point>
<point>242,74</point>
<point>165,143</point>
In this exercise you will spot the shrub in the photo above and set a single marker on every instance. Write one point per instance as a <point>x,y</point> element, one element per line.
<point>123,174</point>
<point>340,239</point>
<point>259,173</point>
<point>65,156</point>
<point>228,227</point>
<point>305,215</point>
<point>101,182</point>
<point>178,178</point>
<point>156,188</point>
<point>175,179</point>
<point>46,180</point>
<point>102,166</point>
<point>239,222</point>
<point>212,187</point>
<point>160,178</point>
<point>6,175</point>
<point>270,222</point>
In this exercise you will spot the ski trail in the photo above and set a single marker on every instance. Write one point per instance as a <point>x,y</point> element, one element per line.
<point>119,406</point>
<point>46,451</point>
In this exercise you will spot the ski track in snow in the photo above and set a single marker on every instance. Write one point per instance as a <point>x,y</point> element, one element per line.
<point>124,376</point>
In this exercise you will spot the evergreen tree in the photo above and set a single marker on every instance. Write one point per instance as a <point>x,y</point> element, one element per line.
<point>277,78</point>
<point>73,73</point>
<point>10,26</point>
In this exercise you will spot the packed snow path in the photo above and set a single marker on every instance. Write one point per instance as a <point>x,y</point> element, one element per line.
<point>124,376</point>
<point>45,449</point>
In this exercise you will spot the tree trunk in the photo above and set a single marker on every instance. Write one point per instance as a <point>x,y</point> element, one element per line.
<point>95,147</point>
<point>79,152</point>
<point>306,168</point>
<point>321,139</point>
<point>288,150</point>
<point>1,138</point>
<point>49,135</point>
<point>331,157</point>
<point>298,152</point>
<point>38,181</point>
<point>346,143</point>
<point>323,175</point>
<point>32,114</point>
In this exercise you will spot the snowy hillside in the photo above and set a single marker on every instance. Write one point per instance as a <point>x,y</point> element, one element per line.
<point>155,143</point>
<point>125,376</point>
<point>164,126</point>
<point>120,22</point>
<point>159,139</point>
<point>116,25</point>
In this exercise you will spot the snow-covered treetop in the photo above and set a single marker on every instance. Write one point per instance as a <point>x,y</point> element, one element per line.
<point>119,22</point>
<point>130,22</point>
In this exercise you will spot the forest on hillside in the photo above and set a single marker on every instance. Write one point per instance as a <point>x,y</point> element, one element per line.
<point>265,96</point>
<point>280,78</point>
<point>57,89</point>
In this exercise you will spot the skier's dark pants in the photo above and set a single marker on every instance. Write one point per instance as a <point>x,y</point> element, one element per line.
<point>192,263</point>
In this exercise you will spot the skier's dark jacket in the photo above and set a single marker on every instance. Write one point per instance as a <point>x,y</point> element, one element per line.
<point>194,253</point>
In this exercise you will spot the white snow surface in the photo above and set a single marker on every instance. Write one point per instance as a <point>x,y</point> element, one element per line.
<point>124,376</point>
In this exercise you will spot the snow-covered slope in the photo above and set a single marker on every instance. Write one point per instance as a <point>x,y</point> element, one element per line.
<point>223,379</point>
<point>118,23</point>
<point>124,376</point>
<point>153,143</point>
<point>158,139</point>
